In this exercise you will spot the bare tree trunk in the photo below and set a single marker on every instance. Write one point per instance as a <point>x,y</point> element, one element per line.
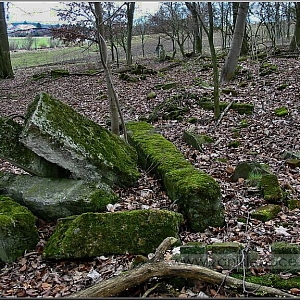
<point>115,110</point>
<point>231,62</point>
<point>5,62</point>
<point>197,47</point>
<point>130,13</point>
<point>295,43</point>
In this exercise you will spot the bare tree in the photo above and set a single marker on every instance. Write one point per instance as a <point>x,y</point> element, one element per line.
<point>130,14</point>
<point>295,43</point>
<point>115,110</point>
<point>5,61</point>
<point>228,70</point>
<point>210,34</point>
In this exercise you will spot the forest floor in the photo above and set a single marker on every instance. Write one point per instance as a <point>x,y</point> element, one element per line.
<point>264,140</point>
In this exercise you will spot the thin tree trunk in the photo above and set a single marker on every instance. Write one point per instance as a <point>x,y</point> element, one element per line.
<point>115,110</point>
<point>5,61</point>
<point>295,43</point>
<point>130,14</point>
<point>228,70</point>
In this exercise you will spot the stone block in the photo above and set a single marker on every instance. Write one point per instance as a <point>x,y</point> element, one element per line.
<point>58,133</point>
<point>95,234</point>
<point>18,232</point>
<point>53,198</point>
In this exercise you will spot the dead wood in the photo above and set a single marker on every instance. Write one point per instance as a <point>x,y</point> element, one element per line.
<point>161,269</point>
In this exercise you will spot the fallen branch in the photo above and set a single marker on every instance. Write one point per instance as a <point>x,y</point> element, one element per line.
<point>223,113</point>
<point>154,268</point>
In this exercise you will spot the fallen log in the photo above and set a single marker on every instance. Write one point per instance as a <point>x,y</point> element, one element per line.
<point>154,268</point>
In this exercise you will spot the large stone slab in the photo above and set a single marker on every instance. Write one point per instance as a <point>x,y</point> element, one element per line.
<point>18,232</point>
<point>53,198</point>
<point>58,133</point>
<point>197,194</point>
<point>95,234</point>
<point>12,150</point>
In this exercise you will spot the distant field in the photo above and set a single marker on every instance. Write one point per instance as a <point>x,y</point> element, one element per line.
<point>23,59</point>
<point>32,43</point>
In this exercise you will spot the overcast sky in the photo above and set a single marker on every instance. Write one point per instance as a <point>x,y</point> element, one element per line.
<point>44,12</point>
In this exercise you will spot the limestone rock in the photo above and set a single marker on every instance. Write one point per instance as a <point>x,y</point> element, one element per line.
<point>196,140</point>
<point>95,234</point>
<point>197,194</point>
<point>271,188</point>
<point>244,169</point>
<point>58,133</point>
<point>53,198</point>
<point>12,150</point>
<point>266,212</point>
<point>18,232</point>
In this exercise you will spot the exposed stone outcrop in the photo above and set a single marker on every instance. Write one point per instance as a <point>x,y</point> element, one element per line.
<point>95,234</point>
<point>18,232</point>
<point>53,198</point>
<point>56,132</point>
<point>12,150</point>
<point>197,194</point>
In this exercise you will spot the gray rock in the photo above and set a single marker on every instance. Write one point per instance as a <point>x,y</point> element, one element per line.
<point>58,133</point>
<point>18,232</point>
<point>16,153</point>
<point>53,198</point>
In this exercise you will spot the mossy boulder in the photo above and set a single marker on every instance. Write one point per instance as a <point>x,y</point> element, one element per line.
<point>241,108</point>
<point>194,253</point>
<point>196,140</point>
<point>293,162</point>
<point>12,150</point>
<point>293,204</point>
<point>267,69</point>
<point>53,198</point>
<point>285,257</point>
<point>281,111</point>
<point>172,108</point>
<point>271,189</point>
<point>95,234</point>
<point>58,133</point>
<point>166,86</point>
<point>197,194</point>
<point>266,212</point>
<point>227,255</point>
<point>245,169</point>
<point>18,232</point>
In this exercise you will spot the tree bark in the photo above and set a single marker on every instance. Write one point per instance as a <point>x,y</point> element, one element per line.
<point>130,14</point>
<point>115,110</point>
<point>231,62</point>
<point>158,268</point>
<point>295,43</point>
<point>5,61</point>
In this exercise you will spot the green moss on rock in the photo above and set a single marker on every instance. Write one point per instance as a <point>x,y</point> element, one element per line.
<point>14,151</point>
<point>196,140</point>
<point>241,108</point>
<point>57,132</point>
<point>52,198</point>
<point>197,194</point>
<point>271,188</point>
<point>17,230</point>
<point>266,212</point>
<point>94,234</point>
<point>293,204</point>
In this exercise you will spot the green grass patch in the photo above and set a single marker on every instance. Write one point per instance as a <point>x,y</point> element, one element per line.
<point>42,57</point>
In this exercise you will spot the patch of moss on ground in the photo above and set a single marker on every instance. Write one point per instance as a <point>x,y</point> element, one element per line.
<point>281,111</point>
<point>241,108</point>
<point>272,280</point>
